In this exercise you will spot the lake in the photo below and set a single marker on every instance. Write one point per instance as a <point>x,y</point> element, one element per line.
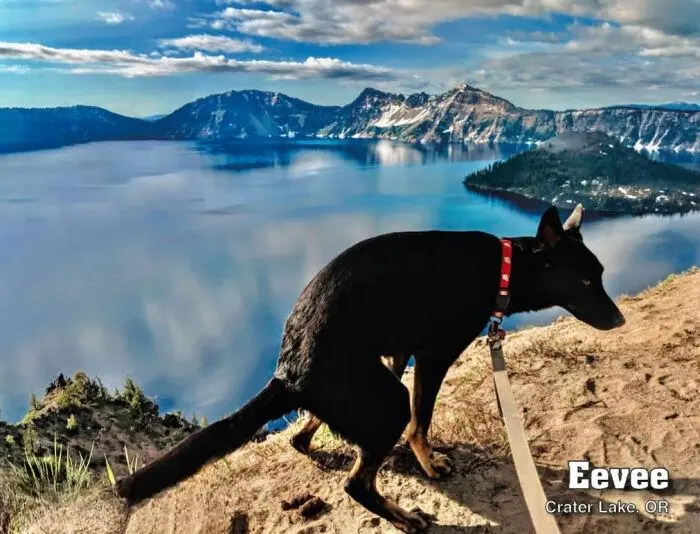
<point>177,265</point>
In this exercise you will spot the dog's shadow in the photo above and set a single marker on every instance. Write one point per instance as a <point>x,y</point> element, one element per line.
<point>489,488</point>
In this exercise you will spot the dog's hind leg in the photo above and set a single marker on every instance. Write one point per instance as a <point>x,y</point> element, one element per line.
<point>301,441</point>
<point>430,370</point>
<point>368,405</point>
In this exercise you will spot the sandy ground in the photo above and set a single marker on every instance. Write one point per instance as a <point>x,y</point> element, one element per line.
<point>628,397</point>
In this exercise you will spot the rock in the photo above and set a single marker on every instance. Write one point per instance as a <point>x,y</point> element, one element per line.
<point>296,501</point>
<point>313,508</point>
<point>239,523</point>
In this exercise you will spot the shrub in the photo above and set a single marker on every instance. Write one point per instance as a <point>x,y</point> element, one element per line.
<point>140,406</point>
<point>72,424</point>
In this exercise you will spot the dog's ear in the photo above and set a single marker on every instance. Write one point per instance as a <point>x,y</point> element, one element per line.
<point>572,226</point>
<point>550,230</point>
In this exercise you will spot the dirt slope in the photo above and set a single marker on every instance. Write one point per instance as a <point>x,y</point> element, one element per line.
<point>629,397</point>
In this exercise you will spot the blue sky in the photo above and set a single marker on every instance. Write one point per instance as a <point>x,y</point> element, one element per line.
<point>142,57</point>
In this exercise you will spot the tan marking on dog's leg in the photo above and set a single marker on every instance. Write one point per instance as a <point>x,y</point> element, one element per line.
<point>434,464</point>
<point>426,383</point>
<point>301,441</point>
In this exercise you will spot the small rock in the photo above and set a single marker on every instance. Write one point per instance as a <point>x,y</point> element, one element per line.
<point>590,385</point>
<point>296,501</point>
<point>372,522</point>
<point>239,524</point>
<point>313,508</point>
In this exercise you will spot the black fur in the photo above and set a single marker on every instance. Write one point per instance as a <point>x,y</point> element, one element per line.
<point>426,294</point>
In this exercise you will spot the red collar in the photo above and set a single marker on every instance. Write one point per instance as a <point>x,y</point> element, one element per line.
<point>503,297</point>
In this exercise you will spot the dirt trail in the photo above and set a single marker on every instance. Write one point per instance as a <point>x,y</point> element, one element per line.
<point>629,397</point>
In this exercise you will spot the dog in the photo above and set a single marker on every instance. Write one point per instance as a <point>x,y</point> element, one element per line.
<point>355,325</point>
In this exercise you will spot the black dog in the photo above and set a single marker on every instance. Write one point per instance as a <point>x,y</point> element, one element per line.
<point>426,294</point>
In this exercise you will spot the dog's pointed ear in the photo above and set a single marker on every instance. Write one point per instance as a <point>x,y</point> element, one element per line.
<point>550,230</point>
<point>574,220</point>
<point>573,224</point>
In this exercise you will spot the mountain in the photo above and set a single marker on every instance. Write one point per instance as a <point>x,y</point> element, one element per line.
<point>245,115</point>
<point>673,106</point>
<point>152,118</point>
<point>37,128</point>
<point>463,114</point>
<point>468,114</point>
<point>595,170</point>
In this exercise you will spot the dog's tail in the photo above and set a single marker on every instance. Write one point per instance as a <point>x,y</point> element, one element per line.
<point>214,441</point>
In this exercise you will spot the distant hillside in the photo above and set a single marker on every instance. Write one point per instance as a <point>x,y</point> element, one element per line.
<point>463,114</point>
<point>595,170</point>
<point>673,106</point>
<point>81,412</point>
<point>38,128</point>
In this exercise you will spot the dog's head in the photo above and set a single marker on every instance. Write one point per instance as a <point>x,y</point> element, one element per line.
<point>570,274</point>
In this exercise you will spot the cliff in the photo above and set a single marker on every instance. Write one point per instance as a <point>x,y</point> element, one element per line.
<point>628,397</point>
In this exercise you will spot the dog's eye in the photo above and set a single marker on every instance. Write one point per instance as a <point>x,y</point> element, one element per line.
<point>586,282</point>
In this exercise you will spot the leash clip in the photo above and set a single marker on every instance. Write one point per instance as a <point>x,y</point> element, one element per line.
<point>496,334</point>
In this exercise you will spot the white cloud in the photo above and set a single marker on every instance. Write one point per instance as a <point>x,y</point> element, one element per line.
<point>586,58</point>
<point>365,21</point>
<point>125,63</point>
<point>161,4</point>
<point>211,43</point>
<point>113,17</point>
<point>14,69</point>
<point>642,41</point>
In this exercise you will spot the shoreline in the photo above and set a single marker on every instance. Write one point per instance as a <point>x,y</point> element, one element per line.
<point>534,205</point>
<point>518,145</point>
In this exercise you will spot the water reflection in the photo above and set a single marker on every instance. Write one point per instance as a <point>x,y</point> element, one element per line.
<point>147,259</point>
<point>243,156</point>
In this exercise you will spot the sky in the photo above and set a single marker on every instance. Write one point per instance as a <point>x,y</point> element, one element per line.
<point>146,57</point>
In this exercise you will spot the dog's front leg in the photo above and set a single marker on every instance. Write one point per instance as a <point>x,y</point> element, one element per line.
<point>430,371</point>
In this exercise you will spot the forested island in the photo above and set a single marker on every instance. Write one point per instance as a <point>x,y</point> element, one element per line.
<point>595,170</point>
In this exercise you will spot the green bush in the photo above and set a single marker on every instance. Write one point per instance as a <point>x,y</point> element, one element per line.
<point>140,406</point>
<point>72,424</point>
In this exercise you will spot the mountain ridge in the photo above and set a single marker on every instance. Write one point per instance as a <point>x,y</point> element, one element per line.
<point>464,114</point>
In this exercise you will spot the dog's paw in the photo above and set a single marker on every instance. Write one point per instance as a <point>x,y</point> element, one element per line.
<point>424,515</point>
<point>440,466</point>
<point>414,522</point>
<point>441,463</point>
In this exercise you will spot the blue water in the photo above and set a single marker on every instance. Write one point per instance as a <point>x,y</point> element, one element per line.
<point>177,264</point>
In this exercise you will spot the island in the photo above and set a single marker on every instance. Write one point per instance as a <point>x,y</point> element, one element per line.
<point>593,169</point>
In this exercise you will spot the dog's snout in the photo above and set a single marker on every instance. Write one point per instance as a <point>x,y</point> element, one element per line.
<point>619,320</point>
